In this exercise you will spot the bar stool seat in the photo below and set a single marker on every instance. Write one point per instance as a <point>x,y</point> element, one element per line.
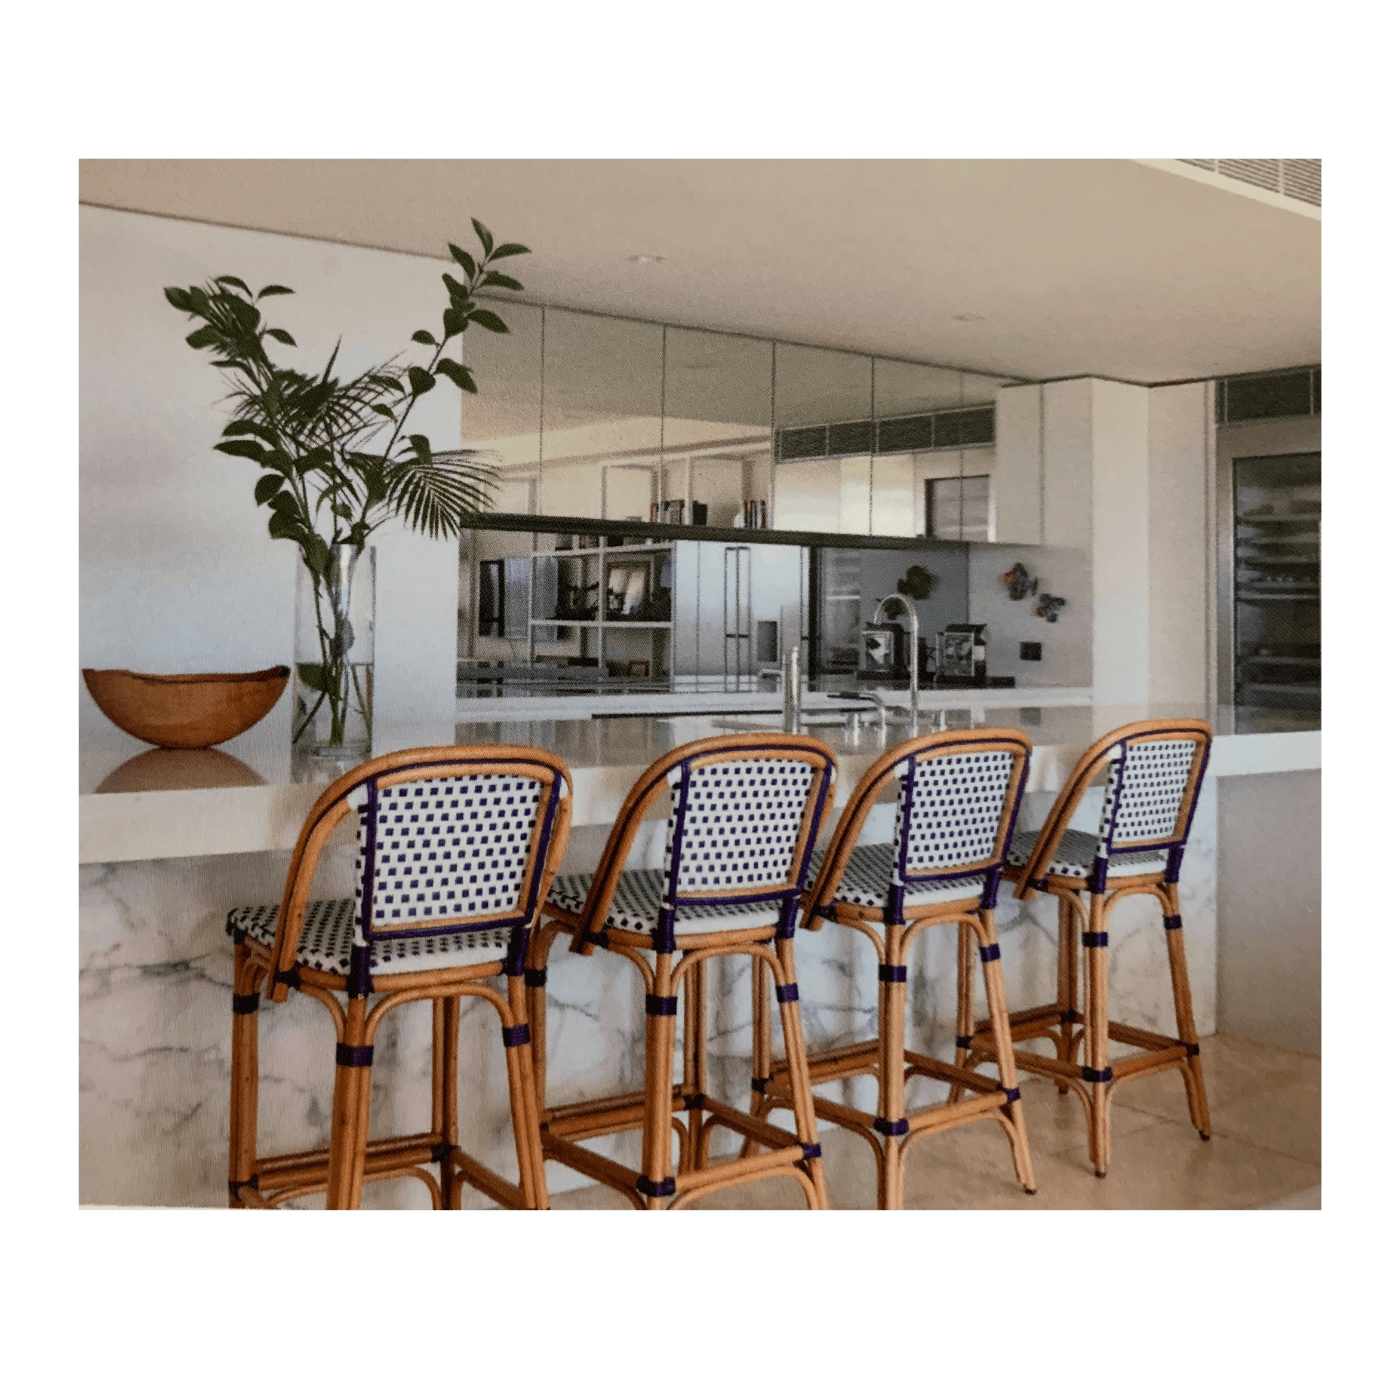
<point>327,940</point>
<point>866,880</point>
<point>1075,855</point>
<point>640,893</point>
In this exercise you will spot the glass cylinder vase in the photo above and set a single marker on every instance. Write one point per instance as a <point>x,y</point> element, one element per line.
<point>333,706</point>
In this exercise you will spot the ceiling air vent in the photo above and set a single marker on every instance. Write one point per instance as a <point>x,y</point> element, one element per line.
<point>1289,393</point>
<point>848,439</point>
<point>969,427</point>
<point>1298,179</point>
<point>905,434</point>
<point>796,443</point>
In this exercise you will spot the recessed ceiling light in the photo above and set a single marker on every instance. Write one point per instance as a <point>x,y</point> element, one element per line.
<point>969,316</point>
<point>645,258</point>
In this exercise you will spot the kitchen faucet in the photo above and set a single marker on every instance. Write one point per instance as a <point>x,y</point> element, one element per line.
<point>913,652</point>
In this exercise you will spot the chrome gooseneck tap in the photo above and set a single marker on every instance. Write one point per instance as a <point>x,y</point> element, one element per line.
<point>913,651</point>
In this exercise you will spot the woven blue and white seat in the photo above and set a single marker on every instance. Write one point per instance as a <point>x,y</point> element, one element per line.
<point>1150,774</point>
<point>955,810</point>
<point>744,816</point>
<point>456,847</point>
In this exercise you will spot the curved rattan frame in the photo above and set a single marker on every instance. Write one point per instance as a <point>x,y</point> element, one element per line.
<point>890,1131</point>
<point>672,970</point>
<point>1089,1030</point>
<point>351,1159</point>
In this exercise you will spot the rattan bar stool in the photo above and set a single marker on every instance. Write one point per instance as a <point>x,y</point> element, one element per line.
<point>456,849</point>
<point>745,813</point>
<point>1151,772</point>
<point>957,799</point>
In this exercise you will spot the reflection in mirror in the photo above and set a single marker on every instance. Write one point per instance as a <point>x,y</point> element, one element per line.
<point>822,415</point>
<point>719,414</point>
<point>504,415</point>
<point>602,404</point>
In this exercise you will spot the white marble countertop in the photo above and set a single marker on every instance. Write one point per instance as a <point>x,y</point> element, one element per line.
<point>138,804</point>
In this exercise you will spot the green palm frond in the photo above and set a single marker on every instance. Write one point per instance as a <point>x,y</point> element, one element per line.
<point>436,497</point>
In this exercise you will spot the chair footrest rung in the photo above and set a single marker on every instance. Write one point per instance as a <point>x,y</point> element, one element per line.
<point>757,1128</point>
<point>503,1192</point>
<point>951,1074</point>
<point>598,1116</point>
<point>1154,1060</point>
<point>1144,1040</point>
<point>302,1168</point>
<point>591,1164</point>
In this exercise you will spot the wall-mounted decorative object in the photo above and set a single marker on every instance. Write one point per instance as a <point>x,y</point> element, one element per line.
<point>1019,583</point>
<point>337,464</point>
<point>917,583</point>
<point>1050,607</point>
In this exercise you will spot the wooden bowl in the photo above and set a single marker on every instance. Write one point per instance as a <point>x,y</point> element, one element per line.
<point>186,712</point>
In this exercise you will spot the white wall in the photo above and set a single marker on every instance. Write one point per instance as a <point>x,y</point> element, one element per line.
<point>1179,488</point>
<point>177,572</point>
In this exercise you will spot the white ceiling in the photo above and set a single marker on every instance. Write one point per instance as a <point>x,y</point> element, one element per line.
<point>1108,267</point>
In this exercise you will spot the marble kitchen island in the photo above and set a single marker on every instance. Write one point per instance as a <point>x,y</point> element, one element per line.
<point>170,841</point>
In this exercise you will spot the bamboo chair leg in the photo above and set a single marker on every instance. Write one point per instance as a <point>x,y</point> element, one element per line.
<point>1096,1034</point>
<point>890,1195</point>
<point>1067,993</point>
<point>524,1107</point>
<point>243,1092</point>
<point>1005,1050</point>
<point>762,1053</point>
<point>1185,1020</point>
<point>446,1016</point>
<point>695,1144</point>
<point>349,1114</point>
<point>966,1017</point>
<point>795,1045</point>
<point>537,1004</point>
<point>660,1069</point>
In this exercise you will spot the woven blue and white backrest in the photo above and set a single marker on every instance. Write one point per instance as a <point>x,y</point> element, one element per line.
<point>447,851</point>
<point>951,815</point>
<point>1144,793</point>
<point>739,823</point>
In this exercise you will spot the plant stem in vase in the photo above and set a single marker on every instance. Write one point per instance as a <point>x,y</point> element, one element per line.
<point>333,710</point>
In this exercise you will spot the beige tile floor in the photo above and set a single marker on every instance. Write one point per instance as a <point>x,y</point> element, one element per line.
<point>1265,1150</point>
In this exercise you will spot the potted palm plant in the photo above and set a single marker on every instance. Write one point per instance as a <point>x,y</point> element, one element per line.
<point>336,462</point>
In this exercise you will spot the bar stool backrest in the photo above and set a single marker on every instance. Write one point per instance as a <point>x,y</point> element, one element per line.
<point>450,840</point>
<point>1152,773</point>
<point>745,813</point>
<point>958,796</point>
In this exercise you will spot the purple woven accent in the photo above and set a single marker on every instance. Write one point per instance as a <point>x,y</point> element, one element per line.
<point>1011,1095</point>
<point>963,1042</point>
<point>359,982</point>
<point>651,1188</point>
<point>1098,876</point>
<point>1068,1018</point>
<point>245,1005</point>
<point>290,978</point>
<point>893,972</point>
<point>1174,858</point>
<point>810,1150</point>
<point>234,1187</point>
<point>991,953</point>
<point>693,1101</point>
<point>514,1036</point>
<point>759,1086</point>
<point>894,905</point>
<point>661,1006</point>
<point>1192,1050</point>
<point>896,1129</point>
<point>1095,940</point>
<point>787,991</point>
<point>354,1056</point>
<point>370,826</point>
<point>991,889</point>
<point>1171,921</point>
<point>443,1151</point>
<point>534,976</point>
<point>1096,1076</point>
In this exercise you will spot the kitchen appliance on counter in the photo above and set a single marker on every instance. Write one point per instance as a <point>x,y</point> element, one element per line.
<point>960,653</point>
<point>883,652</point>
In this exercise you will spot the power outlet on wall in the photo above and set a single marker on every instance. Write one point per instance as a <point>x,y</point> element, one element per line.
<point>1030,651</point>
